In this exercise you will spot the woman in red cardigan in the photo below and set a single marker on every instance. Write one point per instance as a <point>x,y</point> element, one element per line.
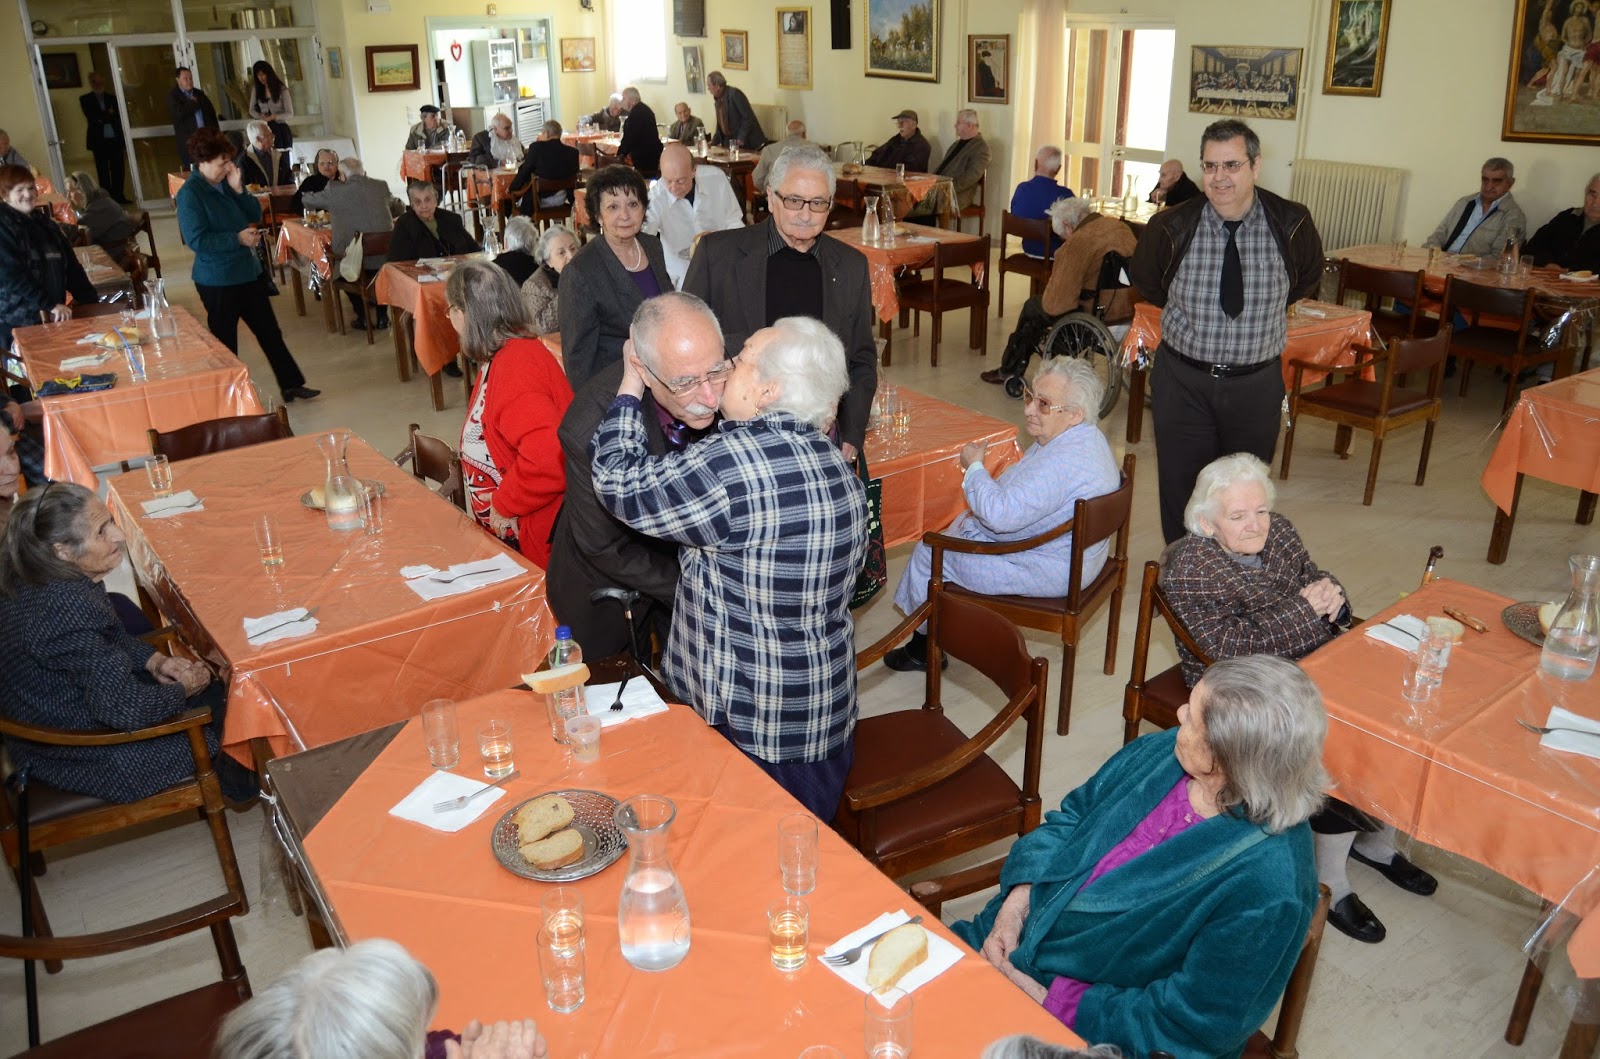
<point>510,455</point>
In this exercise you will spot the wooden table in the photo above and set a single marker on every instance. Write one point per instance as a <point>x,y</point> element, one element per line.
<point>421,324</point>
<point>738,165</point>
<point>495,186</point>
<point>1553,290</point>
<point>1553,434</point>
<point>188,379</point>
<point>449,902</point>
<point>913,250</point>
<point>380,651</point>
<point>107,277</point>
<point>424,165</point>
<point>304,248</point>
<point>60,207</point>
<point>589,143</point>
<point>873,179</point>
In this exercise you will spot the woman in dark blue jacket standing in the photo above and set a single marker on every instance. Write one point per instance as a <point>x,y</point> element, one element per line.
<point>218,219</point>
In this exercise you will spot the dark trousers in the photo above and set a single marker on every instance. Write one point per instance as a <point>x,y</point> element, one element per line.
<point>110,166</point>
<point>1032,323</point>
<point>360,309</point>
<point>817,785</point>
<point>1198,418</point>
<point>226,306</point>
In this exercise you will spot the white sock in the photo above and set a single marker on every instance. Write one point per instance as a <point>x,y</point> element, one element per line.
<point>1332,853</point>
<point>1377,846</point>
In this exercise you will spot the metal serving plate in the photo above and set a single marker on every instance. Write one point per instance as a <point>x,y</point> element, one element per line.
<point>592,817</point>
<point>1523,619</point>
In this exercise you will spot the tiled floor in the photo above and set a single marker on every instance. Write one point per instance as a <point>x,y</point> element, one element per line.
<point>1439,986</point>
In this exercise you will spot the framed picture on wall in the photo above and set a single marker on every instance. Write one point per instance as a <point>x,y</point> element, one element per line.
<point>1358,30</point>
<point>794,47</point>
<point>335,62</point>
<point>694,69</point>
<point>735,49</point>
<point>903,39</point>
<point>989,69</point>
<point>61,70</point>
<point>1233,80</point>
<point>1551,82</point>
<point>577,55</point>
<point>392,68</point>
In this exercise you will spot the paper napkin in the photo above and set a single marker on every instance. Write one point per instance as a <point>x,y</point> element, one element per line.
<point>1587,744</point>
<point>92,360</point>
<point>941,955</point>
<point>182,503</point>
<point>462,577</point>
<point>418,805</point>
<point>1404,631</point>
<point>280,626</point>
<point>638,700</point>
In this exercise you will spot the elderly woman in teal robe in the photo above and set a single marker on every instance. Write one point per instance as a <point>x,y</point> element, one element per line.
<point>1164,905</point>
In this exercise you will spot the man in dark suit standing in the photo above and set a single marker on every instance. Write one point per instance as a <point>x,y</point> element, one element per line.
<point>548,159</point>
<point>735,118</point>
<point>641,140</point>
<point>104,138</point>
<point>191,109</point>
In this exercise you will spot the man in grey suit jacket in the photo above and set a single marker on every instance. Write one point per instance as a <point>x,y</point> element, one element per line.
<point>785,267</point>
<point>735,118</point>
<point>964,163</point>
<point>356,204</point>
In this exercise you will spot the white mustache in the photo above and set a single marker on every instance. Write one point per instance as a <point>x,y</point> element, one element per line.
<point>700,409</point>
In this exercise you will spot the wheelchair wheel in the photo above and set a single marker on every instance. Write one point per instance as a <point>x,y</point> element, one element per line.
<point>1083,336</point>
<point>1014,387</point>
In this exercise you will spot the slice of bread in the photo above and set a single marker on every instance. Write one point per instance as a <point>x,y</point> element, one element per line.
<point>1547,616</point>
<point>560,849</point>
<point>1449,628</point>
<point>895,954</point>
<point>572,675</point>
<point>541,817</point>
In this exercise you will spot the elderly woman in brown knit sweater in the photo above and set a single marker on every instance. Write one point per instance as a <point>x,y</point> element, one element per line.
<point>1088,237</point>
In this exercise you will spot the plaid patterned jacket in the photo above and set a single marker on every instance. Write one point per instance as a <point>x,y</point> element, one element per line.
<point>773,527</point>
<point>1232,609</point>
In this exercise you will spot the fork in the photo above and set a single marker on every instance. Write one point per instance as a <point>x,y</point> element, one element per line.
<point>1547,731</point>
<point>447,578</point>
<point>616,703</point>
<point>190,506</point>
<point>849,956</point>
<point>309,614</point>
<point>452,804</point>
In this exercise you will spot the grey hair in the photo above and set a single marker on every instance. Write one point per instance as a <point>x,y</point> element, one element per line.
<point>493,306</point>
<point>373,999</point>
<point>549,238</point>
<point>352,168</point>
<point>1050,157</point>
<point>630,93</point>
<point>653,314</point>
<point>1085,386</point>
<point>1068,213</point>
<point>552,127</point>
<point>42,519</point>
<point>90,188</point>
<point>415,187</point>
<point>801,156</point>
<point>521,235</point>
<point>1219,474</point>
<point>1502,165</point>
<point>1232,129</point>
<point>797,128</point>
<point>1264,724</point>
<point>254,129</point>
<point>807,360</point>
<point>967,115</point>
<point>715,78</point>
<point>1025,1047</point>
<point>498,118</point>
<point>615,97</point>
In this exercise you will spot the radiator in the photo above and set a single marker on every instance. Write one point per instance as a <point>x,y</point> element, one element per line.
<point>1351,204</point>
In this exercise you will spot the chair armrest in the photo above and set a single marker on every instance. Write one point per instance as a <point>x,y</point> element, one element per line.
<point>193,718</point>
<point>946,543</point>
<point>870,655</point>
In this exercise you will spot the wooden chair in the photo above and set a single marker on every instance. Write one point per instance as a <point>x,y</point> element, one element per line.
<point>1037,269</point>
<point>1283,1044</point>
<point>152,259</point>
<point>371,243</point>
<point>939,295</point>
<point>1507,348</point>
<point>541,188</point>
<point>921,791</point>
<point>1379,407</point>
<point>434,460</point>
<point>1155,699</point>
<point>219,435</point>
<point>849,207</point>
<point>1093,520</point>
<point>976,208</point>
<point>1376,284</point>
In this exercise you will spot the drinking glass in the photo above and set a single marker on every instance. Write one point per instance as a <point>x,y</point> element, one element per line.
<point>822,1051</point>
<point>900,172</point>
<point>562,971</point>
<point>583,736</point>
<point>441,734</point>
<point>372,510</point>
<point>563,917</point>
<point>159,471</point>
<point>888,1024</point>
<point>797,852</point>
<point>1399,251</point>
<point>494,744</point>
<point>1424,670</point>
<point>269,540</point>
<point>788,932</point>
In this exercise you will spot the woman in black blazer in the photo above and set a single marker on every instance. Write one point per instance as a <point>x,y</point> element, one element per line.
<point>607,280</point>
<point>427,231</point>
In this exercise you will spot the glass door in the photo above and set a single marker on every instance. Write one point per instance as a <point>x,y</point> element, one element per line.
<point>1118,87</point>
<point>143,75</point>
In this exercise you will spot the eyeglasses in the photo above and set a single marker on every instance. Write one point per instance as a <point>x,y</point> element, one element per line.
<point>1223,167</point>
<point>689,384</point>
<point>796,202</point>
<point>1045,407</point>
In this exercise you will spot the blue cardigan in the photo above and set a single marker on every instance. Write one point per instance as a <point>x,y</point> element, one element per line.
<point>211,218</point>
<point>1189,945</point>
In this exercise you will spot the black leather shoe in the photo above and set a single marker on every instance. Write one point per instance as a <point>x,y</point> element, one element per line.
<point>1402,873</point>
<point>901,660</point>
<point>300,393</point>
<point>453,370</point>
<point>994,375</point>
<point>1354,918</point>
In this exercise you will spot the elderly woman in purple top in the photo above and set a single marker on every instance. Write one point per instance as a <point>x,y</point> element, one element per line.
<point>1068,459</point>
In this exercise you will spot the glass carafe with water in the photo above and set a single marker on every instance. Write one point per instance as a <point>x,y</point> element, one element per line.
<point>652,914</point>
<point>869,220</point>
<point>886,220</point>
<point>1573,642</point>
<point>163,324</point>
<point>343,495</point>
<point>1130,197</point>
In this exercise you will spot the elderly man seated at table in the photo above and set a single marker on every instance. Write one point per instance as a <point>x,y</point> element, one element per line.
<point>262,163</point>
<point>1173,185</point>
<point>1479,224</point>
<point>641,140</point>
<point>965,163</point>
<point>425,230</point>
<point>1033,198</point>
<point>608,117</point>
<point>356,204</point>
<point>541,291</point>
<point>1571,239</point>
<point>908,147</point>
<point>1068,460</point>
<point>1163,906</point>
<point>685,128</point>
<point>9,155</point>
<point>428,134</point>
<point>687,201</point>
<point>1243,583</point>
<point>1087,238</point>
<point>795,134</point>
<point>771,521</point>
<point>497,145</point>
<point>548,159</point>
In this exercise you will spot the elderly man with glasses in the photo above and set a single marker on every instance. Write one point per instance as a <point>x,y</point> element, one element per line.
<point>752,277</point>
<point>687,202</point>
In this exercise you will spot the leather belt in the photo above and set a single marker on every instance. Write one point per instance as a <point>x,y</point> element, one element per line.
<point>1219,371</point>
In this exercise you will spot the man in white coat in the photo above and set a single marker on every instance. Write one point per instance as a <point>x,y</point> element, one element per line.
<point>686,201</point>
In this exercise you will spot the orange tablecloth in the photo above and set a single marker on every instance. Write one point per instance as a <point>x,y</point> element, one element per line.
<point>311,244</point>
<point>60,208</point>
<point>419,165</point>
<point>914,250</point>
<point>380,651</point>
<point>1325,339</point>
<point>874,178</point>
<point>1553,434</point>
<point>188,379</point>
<point>434,340</point>
<point>106,275</point>
<point>175,182</point>
<point>1548,283</point>
<point>446,899</point>
<point>921,478</point>
<point>497,183</point>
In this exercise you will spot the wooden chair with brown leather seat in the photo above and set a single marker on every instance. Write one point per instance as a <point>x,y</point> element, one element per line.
<point>1093,520</point>
<point>219,435</point>
<point>1376,406</point>
<point>976,208</point>
<point>434,460</point>
<point>542,188</point>
<point>1037,269</point>
<point>152,259</point>
<point>1155,699</point>
<point>1510,349</point>
<point>371,243</point>
<point>921,790</point>
<point>940,294</point>
<point>1377,284</point>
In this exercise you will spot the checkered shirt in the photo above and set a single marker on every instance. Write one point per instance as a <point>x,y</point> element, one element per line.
<point>1194,322</point>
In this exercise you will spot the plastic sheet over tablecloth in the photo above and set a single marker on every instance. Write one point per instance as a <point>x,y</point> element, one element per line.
<point>912,250</point>
<point>434,341</point>
<point>379,652</point>
<point>1328,338</point>
<point>1553,434</point>
<point>310,243</point>
<point>419,165</point>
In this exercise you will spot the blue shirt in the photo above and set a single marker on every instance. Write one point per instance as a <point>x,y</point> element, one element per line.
<point>1030,201</point>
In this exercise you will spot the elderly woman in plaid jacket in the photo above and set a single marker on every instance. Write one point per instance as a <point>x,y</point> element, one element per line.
<point>772,524</point>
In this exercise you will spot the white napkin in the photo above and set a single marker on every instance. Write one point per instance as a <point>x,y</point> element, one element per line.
<point>93,360</point>
<point>941,955</point>
<point>418,805</point>
<point>1404,631</point>
<point>1588,745</point>
<point>280,626</point>
<point>1575,278</point>
<point>638,700</point>
<point>430,584</point>
<point>183,503</point>
<point>1312,310</point>
<point>432,277</point>
<point>89,340</point>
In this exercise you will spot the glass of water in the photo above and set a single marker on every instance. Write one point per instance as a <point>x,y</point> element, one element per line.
<point>159,471</point>
<point>1424,670</point>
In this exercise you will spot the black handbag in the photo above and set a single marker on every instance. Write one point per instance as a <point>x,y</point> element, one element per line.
<point>875,573</point>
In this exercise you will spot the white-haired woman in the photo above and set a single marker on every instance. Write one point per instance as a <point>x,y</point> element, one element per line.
<point>1243,583</point>
<point>1087,238</point>
<point>374,1000</point>
<point>772,527</point>
<point>541,291</point>
<point>1024,1047</point>
<point>109,225</point>
<point>1069,459</point>
<point>519,257</point>
<point>1163,906</point>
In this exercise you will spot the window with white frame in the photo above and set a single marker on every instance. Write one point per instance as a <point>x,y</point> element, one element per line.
<point>639,30</point>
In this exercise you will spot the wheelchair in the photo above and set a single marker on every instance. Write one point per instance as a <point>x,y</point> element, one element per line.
<point>1093,333</point>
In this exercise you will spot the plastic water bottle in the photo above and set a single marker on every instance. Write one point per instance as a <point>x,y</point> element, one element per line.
<point>569,703</point>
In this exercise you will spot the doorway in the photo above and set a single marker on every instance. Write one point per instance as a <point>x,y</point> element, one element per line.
<point>1118,91</point>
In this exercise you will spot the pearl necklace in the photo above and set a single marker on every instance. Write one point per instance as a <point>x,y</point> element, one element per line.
<point>639,258</point>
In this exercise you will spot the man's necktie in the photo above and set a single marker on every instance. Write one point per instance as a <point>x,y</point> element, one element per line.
<point>678,435</point>
<point>1232,273</point>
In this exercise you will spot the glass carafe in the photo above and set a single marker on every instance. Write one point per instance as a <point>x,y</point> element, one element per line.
<point>343,495</point>
<point>869,220</point>
<point>163,324</point>
<point>1573,642</point>
<point>652,914</point>
<point>1511,251</point>
<point>1130,196</point>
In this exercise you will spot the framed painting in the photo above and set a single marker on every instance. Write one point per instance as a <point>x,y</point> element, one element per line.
<point>694,69</point>
<point>1358,31</point>
<point>61,70</point>
<point>989,69</point>
<point>794,47</point>
<point>392,68</point>
<point>903,39</point>
<point>335,62</point>
<point>577,55</point>
<point>735,49</point>
<point>1553,82</point>
<point>1246,82</point>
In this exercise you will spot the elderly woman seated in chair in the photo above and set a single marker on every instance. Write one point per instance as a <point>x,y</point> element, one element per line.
<point>1243,583</point>
<point>68,663</point>
<point>1164,905</point>
<point>1069,459</point>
